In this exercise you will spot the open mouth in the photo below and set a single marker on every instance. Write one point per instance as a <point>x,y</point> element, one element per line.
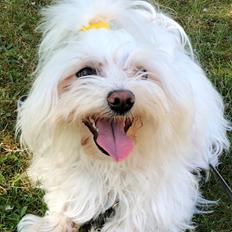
<point>110,136</point>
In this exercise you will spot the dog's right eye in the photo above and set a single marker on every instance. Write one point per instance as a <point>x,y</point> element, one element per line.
<point>87,71</point>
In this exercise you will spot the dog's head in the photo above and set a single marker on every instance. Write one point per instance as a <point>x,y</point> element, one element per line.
<point>114,78</point>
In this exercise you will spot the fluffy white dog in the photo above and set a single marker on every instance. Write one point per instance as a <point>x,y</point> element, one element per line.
<point>120,112</point>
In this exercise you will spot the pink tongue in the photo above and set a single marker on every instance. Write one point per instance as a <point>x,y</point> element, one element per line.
<point>113,139</point>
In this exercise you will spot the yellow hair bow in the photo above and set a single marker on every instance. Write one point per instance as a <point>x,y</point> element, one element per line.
<point>96,24</point>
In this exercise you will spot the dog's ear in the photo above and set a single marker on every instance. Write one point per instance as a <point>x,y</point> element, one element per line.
<point>34,112</point>
<point>210,129</point>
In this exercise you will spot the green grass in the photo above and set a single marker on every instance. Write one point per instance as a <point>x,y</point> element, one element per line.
<point>209,24</point>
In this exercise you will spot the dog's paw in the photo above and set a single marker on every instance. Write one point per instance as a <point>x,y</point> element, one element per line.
<point>49,223</point>
<point>29,223</point>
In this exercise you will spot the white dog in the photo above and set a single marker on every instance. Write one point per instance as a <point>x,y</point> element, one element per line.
<point>120,112</point>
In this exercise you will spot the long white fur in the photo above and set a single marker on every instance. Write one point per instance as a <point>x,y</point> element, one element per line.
<point>183,124</point>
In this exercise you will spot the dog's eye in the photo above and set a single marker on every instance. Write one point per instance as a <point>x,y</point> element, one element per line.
<point>87,71</point>
<point>144,74</point>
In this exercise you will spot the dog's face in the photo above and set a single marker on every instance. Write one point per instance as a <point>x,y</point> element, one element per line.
<point>104,94</point>
<point>111,92</point>
<point>115,93</point>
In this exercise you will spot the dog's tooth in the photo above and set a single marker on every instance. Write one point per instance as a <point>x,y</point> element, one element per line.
<point>93,122</point>
<point>94,126</point>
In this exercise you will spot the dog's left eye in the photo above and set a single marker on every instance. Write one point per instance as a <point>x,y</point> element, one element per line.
<point>144,74</point>
<point>87,71</point>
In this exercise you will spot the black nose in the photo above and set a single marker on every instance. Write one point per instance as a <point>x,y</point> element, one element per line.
<point>121,101</point>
